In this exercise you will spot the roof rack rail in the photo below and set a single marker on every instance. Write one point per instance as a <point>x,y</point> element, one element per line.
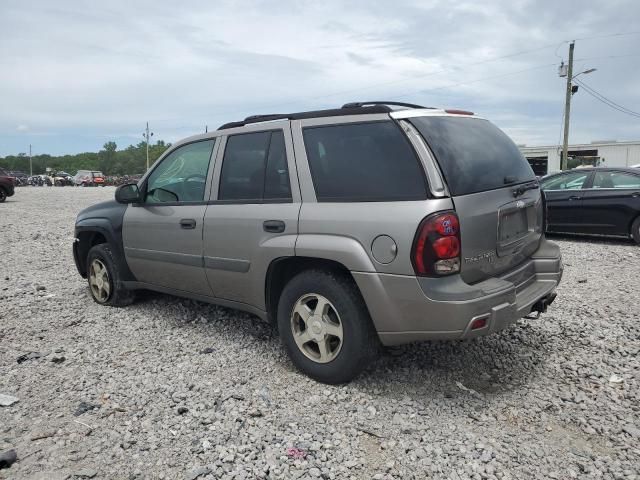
<point>359,110</point>
<point>265,117</point>
<point>380,102</point>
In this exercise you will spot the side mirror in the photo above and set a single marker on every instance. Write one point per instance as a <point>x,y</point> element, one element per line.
<point>128,193</point>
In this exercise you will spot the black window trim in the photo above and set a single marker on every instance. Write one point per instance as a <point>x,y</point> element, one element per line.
<point>427,191</point>
<point>254,201</point>
<point>145,183</point>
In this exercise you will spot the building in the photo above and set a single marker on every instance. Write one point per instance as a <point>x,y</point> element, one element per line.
<point>610,153</point>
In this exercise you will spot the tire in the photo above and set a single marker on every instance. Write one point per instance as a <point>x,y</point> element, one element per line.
<point>345,314</point>
<point>635,230</point>
<point>3,195</point>
<point>103,270</point>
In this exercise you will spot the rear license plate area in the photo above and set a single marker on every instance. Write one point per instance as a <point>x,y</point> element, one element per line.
<point>513,226</point>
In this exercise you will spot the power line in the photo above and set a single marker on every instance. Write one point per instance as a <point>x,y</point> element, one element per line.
<point>439,72</point>
<point>607,35</point>
<point>606,101</point>
<point>478,80</point>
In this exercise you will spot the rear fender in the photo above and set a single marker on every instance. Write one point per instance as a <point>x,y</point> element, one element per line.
<point>344,250</point>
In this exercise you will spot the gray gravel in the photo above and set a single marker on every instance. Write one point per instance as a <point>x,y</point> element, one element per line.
<point>171,388</point>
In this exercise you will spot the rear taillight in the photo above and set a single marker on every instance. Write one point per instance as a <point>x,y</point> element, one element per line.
<point>436,247</point>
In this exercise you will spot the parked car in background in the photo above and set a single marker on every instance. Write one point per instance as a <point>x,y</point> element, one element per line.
<point>61,179</point>
<point>7,185</point>
<point>372,223</point>
<point>88,178</point>
<point>21,177</point>
<point>596,201</point>
<point>635,166</point>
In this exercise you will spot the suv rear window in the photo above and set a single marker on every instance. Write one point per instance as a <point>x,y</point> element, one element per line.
<point>474,155</point>
<point>363,162</point>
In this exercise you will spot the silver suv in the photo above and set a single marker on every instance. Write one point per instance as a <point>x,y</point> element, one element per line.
<point>375,223</point>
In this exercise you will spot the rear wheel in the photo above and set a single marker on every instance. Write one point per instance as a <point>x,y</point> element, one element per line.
<point>104,278</point>
<point>325,326</point>
<point>3,195</point>
<point>635,230</point>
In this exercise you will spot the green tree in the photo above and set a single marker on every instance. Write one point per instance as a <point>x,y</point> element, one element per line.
<point>111,161</point>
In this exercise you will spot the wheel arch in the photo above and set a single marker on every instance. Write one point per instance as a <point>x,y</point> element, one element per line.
<point>283,269</point>
<point>94,231</point>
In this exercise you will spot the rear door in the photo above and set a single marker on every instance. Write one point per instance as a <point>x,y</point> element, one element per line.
<point>612,202</point>
<point>564,194</point>
<point>494,191</point>
<point>252,218</point>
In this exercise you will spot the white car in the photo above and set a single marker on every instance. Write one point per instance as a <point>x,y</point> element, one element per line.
<point>636,166</point>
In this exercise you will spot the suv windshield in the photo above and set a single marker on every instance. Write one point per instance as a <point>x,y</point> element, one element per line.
<point>474,155</point>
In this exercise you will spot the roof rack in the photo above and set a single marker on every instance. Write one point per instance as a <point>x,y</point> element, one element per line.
<point>353,108</point>
<point>382,102</point>
<point>312,114</point>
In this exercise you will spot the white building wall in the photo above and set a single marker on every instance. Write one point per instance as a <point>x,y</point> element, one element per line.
<point>622,154</point>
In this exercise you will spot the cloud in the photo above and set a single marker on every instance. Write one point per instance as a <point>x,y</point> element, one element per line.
<point>22,128</point>
<point>81,70</point>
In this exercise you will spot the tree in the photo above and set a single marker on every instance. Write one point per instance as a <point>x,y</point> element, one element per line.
<point>107,156</point>
<point>109,160</point>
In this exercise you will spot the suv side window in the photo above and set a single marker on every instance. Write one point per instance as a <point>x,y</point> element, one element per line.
<point>254,168</point>
<point>616,180</point>
<point>182,175</point>
<point>363,162</point>
<point>569,181</point>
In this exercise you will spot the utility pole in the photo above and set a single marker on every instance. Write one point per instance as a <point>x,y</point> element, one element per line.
<point>567,110</point>
<point>30,163</point>
<point>146,136</point>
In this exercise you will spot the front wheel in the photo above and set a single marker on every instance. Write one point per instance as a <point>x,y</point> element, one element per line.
<point>103,276</point>
<point>635,230</point>
<point>325,326</point>
<point>3,195</point>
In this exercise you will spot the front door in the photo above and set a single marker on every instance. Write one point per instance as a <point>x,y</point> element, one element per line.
<point>564,201</point>
<point>163,235</point>
<point>253,216</point>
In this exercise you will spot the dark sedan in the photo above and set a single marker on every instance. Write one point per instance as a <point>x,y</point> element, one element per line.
<point>596,201</point>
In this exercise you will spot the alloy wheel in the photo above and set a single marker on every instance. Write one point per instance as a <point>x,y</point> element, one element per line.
<point>317,328</point>
<point>99,281</point>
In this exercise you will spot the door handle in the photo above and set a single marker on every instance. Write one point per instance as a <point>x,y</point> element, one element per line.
<point>188,223</point>
<point>575,197</point>
<point>273,226</point>
<point>635,194</point>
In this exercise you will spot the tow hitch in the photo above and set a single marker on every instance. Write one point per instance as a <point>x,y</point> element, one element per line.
<point>541,305</point>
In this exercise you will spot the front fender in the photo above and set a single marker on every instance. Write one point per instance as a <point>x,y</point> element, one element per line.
<point>113,236</point>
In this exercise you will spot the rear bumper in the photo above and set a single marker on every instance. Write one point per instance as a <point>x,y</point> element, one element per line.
<point>406,309</point>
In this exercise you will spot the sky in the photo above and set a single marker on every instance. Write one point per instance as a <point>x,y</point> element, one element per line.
<point>76,74</point>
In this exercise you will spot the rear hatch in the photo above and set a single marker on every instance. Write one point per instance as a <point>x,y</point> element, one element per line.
<point>493,189</point>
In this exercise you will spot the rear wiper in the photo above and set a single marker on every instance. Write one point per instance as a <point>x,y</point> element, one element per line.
<point>523,188</point>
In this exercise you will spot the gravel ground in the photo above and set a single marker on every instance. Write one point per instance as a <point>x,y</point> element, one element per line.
<point>171,388</point>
